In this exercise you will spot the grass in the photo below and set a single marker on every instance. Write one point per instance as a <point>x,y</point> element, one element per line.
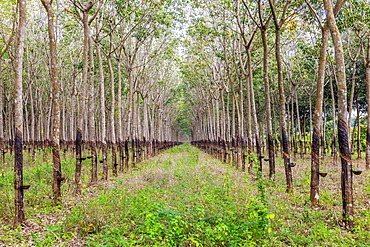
<point>183,197</point>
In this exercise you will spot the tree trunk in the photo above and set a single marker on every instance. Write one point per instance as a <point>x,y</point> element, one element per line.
<point>2,148</point>
<point>357,131</point>
<point>113,130</point>
<point>253,110</point>
<point>145,125</point>
<point>358,141</point>
<point>346,175</point>
<point>299,125</point>
<point>240,137</point>
<point>367,60</point>
<point>119,118</point>
<point>33,126</point>
<point>91,114</point>
<point>18,116</point>
<point>334,139</point>
<point>323,133</point>
<point>102,112</point>
<point>57,173</point>
<point>352,95</point>
<point>315,146</point>
<point>310,133</point>
<point>270,140</point>
<point>284,138</point>
<point>130,101</point>
<point>81,105</point>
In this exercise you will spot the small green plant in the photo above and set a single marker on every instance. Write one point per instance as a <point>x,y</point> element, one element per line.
<point>182,198</point>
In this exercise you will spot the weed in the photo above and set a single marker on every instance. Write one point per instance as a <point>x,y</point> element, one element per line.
<point>180,198</point>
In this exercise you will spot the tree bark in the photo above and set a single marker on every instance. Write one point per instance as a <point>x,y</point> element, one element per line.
<point>299,125</point>
<point>254,113</point>
<point>367,62</point>
<point>57,171</point>
<point>119,118</point>
<point>113,131</point>
<point>102,112</point>
<point>18,116</point>
<point>270,140</point>
<point>352,95</point>
<point>334,139</point>
<point>2,148</point>
<point>91,114</point>
<point>358,141</point>
<point>145,125</point>
<point>315,145</point>
<point>81,106</point>
<point>346,175</point>
<point>284,138</point>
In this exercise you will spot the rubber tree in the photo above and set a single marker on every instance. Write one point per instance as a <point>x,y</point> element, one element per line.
<point>355,21</point>
<point>279,22</point>
<point>57,171</point>
<point>18,115</point>
<point>315,145</point>
<point>343,131</point>
<point>103,121</point>
<point>367,63</point>
<point>84,10</point>
<point>263,23</point>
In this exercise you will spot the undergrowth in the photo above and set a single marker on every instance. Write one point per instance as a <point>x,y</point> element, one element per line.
<point>183,197</point>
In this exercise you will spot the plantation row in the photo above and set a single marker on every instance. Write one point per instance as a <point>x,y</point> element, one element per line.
<point>283,70</point>
<point>94,168</point>
<point>77,77</point>
<point>140,150</point>
<point>241,79</point>
<point>180,197</point>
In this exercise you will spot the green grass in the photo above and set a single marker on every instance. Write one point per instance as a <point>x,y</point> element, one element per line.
<point>182,197</point>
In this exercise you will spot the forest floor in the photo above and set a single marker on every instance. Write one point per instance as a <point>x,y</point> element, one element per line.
<point>184,197</point>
